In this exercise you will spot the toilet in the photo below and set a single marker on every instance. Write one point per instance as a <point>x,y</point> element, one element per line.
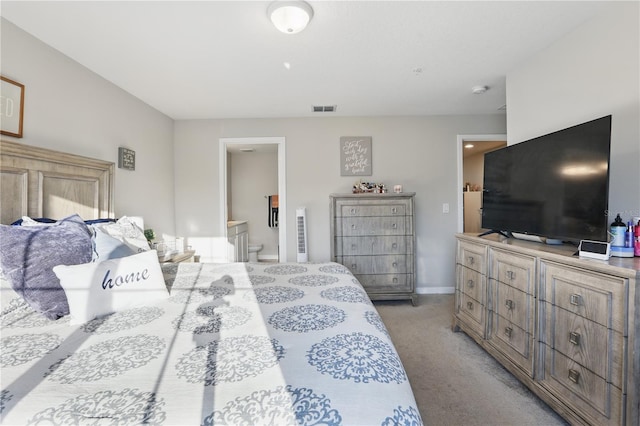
<point>253,252</point>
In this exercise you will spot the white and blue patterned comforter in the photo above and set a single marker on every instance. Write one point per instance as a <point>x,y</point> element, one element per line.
<point>235,344</point>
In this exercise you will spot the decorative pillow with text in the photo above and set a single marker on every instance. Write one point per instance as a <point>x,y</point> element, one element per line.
<point>100,288</point>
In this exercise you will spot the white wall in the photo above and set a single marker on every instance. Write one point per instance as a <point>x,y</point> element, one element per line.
<point>254,176</point>
<point>71,109</point>
<point>592,72</point>
<point>417,152</point>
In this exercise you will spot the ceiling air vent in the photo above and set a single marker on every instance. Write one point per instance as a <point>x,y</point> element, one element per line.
<point>324,108</point>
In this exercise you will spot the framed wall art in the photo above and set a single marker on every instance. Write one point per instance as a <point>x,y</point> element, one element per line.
<point>126,158</point>
<point>11,107</point>
<point>355,156</point>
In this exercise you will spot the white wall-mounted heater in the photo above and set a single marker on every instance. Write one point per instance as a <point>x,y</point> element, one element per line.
<point>301,226</point>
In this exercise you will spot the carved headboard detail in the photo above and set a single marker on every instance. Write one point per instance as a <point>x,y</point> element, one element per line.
<point>39,182</point>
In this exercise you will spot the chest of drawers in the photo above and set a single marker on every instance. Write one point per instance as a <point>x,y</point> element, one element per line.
<point>568,328</point>
<point>373,235</point>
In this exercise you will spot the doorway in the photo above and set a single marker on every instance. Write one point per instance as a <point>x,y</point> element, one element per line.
<point>471,150</point>
<point>233,146</point>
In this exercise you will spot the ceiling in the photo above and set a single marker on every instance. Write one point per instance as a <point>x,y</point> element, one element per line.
<point>471,148</point>
<point>224,59</point>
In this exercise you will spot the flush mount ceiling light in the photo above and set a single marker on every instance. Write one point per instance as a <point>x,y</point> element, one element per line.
<point>478,90</point>
<point>290,17</point>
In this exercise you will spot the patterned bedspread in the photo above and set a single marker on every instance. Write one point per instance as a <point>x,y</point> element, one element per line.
<point>235,344</point>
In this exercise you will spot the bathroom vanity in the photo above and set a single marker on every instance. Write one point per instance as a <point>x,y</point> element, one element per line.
<point>238,238</point>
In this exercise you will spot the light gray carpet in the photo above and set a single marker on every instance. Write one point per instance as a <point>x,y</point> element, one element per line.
<point>454,380</point>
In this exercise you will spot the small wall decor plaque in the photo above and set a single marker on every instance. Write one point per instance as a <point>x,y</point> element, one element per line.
<point>355,156</point>
<point>126,158</point>
<point>11,107</point>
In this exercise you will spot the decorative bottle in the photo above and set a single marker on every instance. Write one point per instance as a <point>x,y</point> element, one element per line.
<point>636,249</point>
<point>618,230</point>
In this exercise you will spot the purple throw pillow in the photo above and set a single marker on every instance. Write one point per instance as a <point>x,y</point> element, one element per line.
<point>29,253</point>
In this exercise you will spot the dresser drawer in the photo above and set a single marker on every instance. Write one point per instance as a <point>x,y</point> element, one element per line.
<point>472,311</point>
<point>513,341</point>
<point>597,297</point>
<point>585,342</point>
<point>374,245</point>
<point>512,304</point>
<point>385,264</point>
<point>389,283</point>
<point>513,269</point>
<point>473,256</point>
<point>583,390</point>
<point>364,210</point>
<point>386,225</point>
<point>472,283</point>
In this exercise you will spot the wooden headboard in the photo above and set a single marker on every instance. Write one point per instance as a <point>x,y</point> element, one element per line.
<point>39,182</point>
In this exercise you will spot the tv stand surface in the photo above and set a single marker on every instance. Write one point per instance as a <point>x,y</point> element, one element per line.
<point>495,231</point>
<point>537,309</point>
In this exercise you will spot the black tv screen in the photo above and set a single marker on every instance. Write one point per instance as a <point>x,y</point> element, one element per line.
<point>554,186</point>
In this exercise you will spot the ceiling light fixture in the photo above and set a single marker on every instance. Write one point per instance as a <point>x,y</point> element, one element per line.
<point>290,17</point>
<point>478,90</point>
<point>469,146</point>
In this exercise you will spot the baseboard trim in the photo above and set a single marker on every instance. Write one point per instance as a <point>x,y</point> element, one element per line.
<point>435,290</point>
<point>268,257</point>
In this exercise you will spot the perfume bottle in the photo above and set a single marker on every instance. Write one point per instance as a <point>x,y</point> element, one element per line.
<point>629,237</point>
<point>636,232</point>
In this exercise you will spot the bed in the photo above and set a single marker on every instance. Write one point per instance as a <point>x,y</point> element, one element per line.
<point>229,344</point>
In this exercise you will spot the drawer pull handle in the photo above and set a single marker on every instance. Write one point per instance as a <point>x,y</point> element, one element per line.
<point>353,211</point>
<point>470,283</point>
<point>511,275</point>
<point>353,226</point>
<point>508,331</point>
<point>470,306</point>
<point>394,225</point>
<point>394,264</point>
<point>471,260</point>
<point>395,280</point>
<point>353,266</point>
<point>394,245</point>
<point>394,210</point>
<point>510,304</point>
<point>574,376</point>
<point>574,338</point>
<point>575,299</point>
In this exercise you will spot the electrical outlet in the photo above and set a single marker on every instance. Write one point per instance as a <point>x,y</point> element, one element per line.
<point>445,208</point>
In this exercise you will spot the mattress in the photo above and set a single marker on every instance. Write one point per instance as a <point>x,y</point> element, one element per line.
<point>234,344</point>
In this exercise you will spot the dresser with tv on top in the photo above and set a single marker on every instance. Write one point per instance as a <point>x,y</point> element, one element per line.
<point>567,327</point>
<point>373,235</point>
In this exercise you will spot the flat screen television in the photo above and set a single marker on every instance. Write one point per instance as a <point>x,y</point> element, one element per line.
<point>554,186</point>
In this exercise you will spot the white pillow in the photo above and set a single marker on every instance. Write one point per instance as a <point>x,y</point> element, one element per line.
<point>95,289</point>
<point>106,247</point>
<point>127,231</point>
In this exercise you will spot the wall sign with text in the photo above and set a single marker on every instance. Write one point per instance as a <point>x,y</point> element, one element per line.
<point>355,156</point>
<point>126,158</point>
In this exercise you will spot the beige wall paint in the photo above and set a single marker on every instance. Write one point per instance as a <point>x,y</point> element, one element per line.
<point>590,73</point>
<point>473,170</point>
<point>417,152</point>
<point>71,109</point>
